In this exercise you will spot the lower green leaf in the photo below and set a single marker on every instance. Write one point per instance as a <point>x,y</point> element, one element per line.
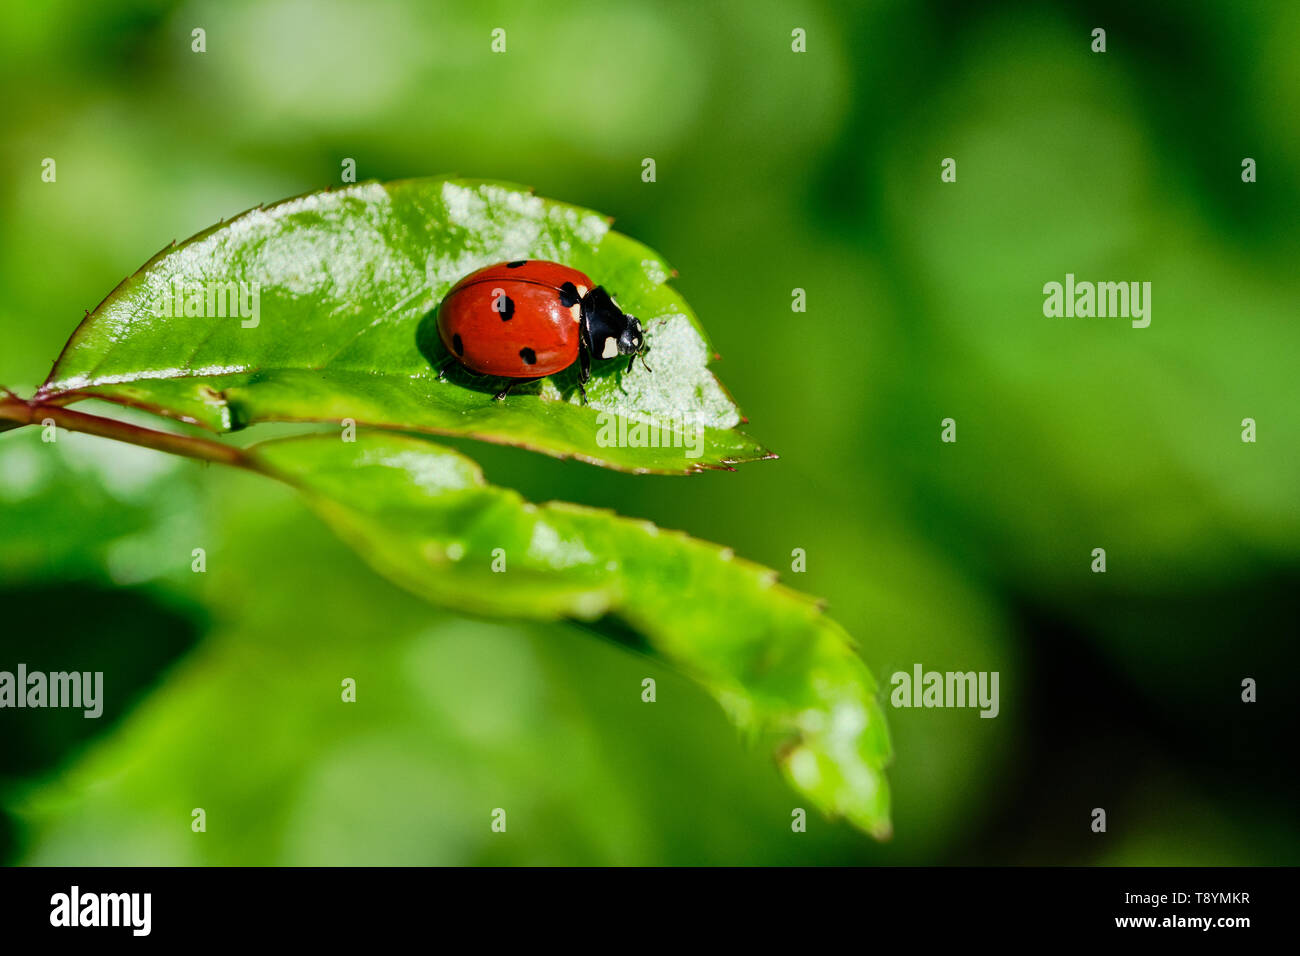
<point>784,672</point>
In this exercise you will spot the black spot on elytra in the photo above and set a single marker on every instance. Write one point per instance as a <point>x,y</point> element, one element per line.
<point>457,344</point>
<point>529,356</point>
<point>568,294</point>
<point>516,264</point>
<point>506,306</point>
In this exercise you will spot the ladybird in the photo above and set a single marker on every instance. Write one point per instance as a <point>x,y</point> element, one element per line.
<point>530,318</point>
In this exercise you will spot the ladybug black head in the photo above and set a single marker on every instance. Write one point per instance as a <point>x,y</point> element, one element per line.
<point>631,342</point>
<point>611,331</point>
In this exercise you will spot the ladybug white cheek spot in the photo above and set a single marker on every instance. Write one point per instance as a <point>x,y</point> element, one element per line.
<point>582,290</point>
<point>611,349</point>
<point>575,312</point>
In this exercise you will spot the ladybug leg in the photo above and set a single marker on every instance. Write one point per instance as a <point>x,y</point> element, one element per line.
<point>511,383</point>
<point>442,369</point>
<point>584,367</point>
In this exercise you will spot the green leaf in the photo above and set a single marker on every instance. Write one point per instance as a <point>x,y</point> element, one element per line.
<point>784,672</point>
<point>347,286</point>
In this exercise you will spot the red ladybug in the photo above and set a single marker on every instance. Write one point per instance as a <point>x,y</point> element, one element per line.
<point>531,318</point>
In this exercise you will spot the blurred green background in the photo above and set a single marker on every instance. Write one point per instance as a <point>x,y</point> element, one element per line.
<point>776,170</point>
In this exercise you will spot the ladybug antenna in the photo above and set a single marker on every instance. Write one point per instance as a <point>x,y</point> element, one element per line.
<point>640,353</point>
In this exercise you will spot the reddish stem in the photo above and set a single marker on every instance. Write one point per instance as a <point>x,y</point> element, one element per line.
<point>15,409</point>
